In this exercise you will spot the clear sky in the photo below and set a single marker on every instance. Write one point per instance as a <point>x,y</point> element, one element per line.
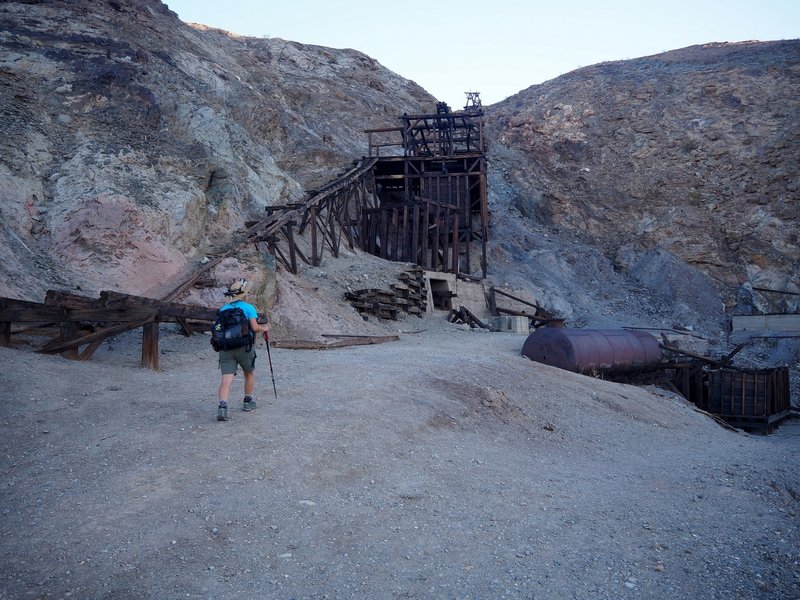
<point>498,47</point>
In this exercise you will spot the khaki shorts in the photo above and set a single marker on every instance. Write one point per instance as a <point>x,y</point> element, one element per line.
<point>230,359</point>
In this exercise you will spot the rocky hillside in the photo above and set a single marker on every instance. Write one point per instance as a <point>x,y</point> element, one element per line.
<point>133,141</point>
<point>650,191</point>
<point>682,167</point>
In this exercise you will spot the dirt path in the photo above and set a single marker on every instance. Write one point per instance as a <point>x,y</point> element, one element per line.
<point>444,465</point>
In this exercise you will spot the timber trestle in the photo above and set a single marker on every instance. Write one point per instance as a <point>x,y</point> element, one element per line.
<point>324,216</point>
<point>77,321</point>
<point>419,197</point>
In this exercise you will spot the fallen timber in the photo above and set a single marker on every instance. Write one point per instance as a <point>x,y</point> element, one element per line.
<point>539,318</point>
<point>464,316</point>
<point>111,314</point>
<point>350,340</point>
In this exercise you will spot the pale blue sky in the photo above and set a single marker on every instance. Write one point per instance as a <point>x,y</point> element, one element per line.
<point>498,47</point>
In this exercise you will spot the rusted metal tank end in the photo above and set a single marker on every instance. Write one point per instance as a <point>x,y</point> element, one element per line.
<point>594,350</point>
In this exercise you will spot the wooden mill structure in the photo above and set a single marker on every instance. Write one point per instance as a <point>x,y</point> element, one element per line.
<point>431,195</point>
<point>419,197</point>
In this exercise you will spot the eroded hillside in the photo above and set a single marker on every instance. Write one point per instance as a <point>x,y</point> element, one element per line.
<point>678,166</point>
<point>133,141</point>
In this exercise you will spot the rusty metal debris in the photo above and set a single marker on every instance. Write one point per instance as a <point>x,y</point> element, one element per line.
<point>589,351</point>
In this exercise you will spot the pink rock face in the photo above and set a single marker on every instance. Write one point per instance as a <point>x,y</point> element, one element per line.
<point>111,240</point>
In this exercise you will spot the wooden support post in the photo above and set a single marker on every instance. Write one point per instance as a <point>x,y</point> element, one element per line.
<point>445,235</point>
<point>405,254</point>
<point>414,250</point>
<point>328,233</point>
<point>289,230</point>
<point>396,236</point>
<point>313,221</point>
<point>277,253</point>
<point>366,231</point>
<point>90,349</point>
<point>467,225</point>
<point>436,233</point>
<point>374,230</point>
<point>455,243</point>
<point>150,345</point>
<point>426,234</point>
<point>330,226</point>
<point>69,331</point>
<point>384,234</point>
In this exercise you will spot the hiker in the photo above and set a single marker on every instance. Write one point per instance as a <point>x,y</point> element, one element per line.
<point>243,356</point>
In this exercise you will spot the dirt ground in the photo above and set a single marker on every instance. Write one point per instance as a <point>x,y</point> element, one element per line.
<point>442,465</point>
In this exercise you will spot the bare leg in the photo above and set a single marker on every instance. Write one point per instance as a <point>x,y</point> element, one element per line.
<point>249,382</point>
<point>225,386</point>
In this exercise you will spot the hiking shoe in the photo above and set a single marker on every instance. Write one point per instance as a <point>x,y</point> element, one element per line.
<point>248,404</point>
<point>222,412</point>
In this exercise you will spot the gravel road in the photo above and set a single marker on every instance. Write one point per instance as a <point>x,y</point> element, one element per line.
<point>442,465</point>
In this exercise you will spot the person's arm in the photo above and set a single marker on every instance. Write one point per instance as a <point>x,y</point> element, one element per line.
<point>252,317</point>
<point>257,327</point>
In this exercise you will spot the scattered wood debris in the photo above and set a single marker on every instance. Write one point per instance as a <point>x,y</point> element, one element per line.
<point>462,315</point>
<point>409,295</point>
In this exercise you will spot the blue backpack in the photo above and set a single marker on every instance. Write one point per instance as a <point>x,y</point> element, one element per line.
<point>231,330</point>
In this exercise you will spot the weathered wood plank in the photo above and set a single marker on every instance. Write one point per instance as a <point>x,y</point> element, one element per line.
<point>57,346</point>
<point>166,311</point>
<point>317,345</point>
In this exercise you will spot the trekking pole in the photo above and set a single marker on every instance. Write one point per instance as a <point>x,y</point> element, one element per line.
<point>269,356</point>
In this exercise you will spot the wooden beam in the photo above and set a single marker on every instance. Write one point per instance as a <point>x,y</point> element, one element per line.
<point>150,345</point>
<point>189,281</point>
<point>166,311</point>
<point>69,331</point>
<point>350,341</point>
<point>59,346</point>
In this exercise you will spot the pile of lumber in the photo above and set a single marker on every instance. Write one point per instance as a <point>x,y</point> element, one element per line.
<point>409,295</point>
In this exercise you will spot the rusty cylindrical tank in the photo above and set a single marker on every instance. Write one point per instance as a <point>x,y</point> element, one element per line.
<point>594,350</point>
